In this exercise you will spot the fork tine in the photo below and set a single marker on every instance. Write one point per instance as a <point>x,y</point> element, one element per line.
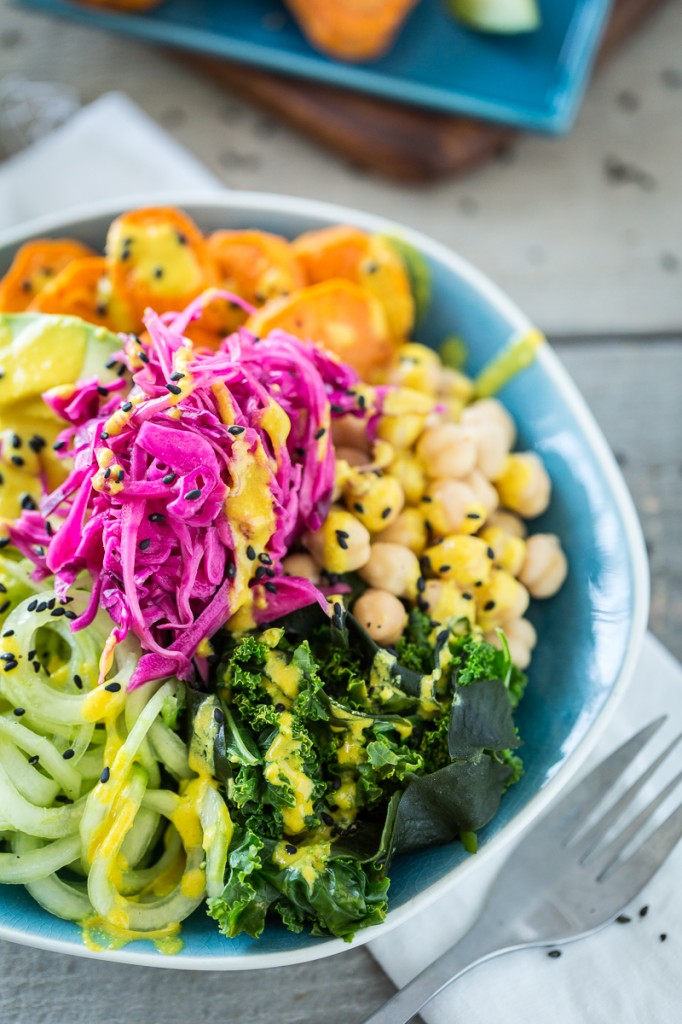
<point>632,875</point>
<point>569,813</point>
<point>591,838</point>
<point>609,856</point>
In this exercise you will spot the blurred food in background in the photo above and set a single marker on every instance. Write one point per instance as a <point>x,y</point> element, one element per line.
<point>362,30</point>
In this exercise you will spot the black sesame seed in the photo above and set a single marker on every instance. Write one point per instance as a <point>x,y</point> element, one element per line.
<point>290,849</point>
<point>11,665</point>
<point>488,606</point>
<point>359,507</point>
<point>70,615</point>
<point>78,681</point>
<point>444,568</point>
<point>193,494</point>
<point>231,571</point>
<point>31,655</point>
<point>219,715</point>
<point>112,687</point>
<point>644,911</point>
<point>39,550</point>
<point>107,473</point>
<point>299,451</point>
<point>3,588</point>
<point>120,475</point>
<point>475,515</point>
<point>236,430</point>
<point>42,606</point>
<point>111,363</point>
<point>4,541</point>
<point>36,443</point>
<point>27,501</point>
<point>7,656</point>
<point>58,445</point>
<point>158,272</point>
<point>271,573</point>
<point>4,607</point>
<point>143,357</point>
<point>57,612</point>
<point>337,409</point>
<point>17,460</point>
<point>467,597</point>
<point>320,433</point>
<point>48,528</point>
<point>663,936</point>
<point>270,587</point>
<point>106,774</point>
<point>341,540</point>
<point>362,402</point>
<point>103,435</point>
<point>623,919</point>
<point>156,517</point>
<point>36,666</point>
<point>61,799</point>
<point>250,553</point>
<point>421,584</point>
<point>490,553</point>
<point>16,441</point>
<point>386,513</point>
<point>126,406</point>
<point>8,632</point>
<point>279,707</point>
<point>174,389</point>
<point>104,392</point>
<point>144,544</point>
<point>261,571</point>
<point>264,557</point>
<point>326,818</point>
<point>33,605</point>
<point>33,759</point>
<point>182,239</point>
<point>336,784</point>
<point>68,754</point>
<point>177,375</point>
<point>426,499</point>
<point>170,478</point>
<point>19,712</point>
<point>554,953</point>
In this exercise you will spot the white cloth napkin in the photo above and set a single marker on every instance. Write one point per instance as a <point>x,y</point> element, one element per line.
<point>626,973</point>
<point>110,148</point>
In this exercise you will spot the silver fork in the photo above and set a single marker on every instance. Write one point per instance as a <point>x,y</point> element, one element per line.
<point>561,883</point>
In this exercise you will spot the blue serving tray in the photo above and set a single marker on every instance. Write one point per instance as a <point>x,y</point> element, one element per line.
<point>532,81</point>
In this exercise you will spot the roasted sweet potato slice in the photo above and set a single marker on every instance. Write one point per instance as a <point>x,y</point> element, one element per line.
<point>83,289</point>
<point>157,257</point>
<point>35,265</point>
<point>369,260</point>
<point>338,315</point>
<point>255,265</point>
<point>351,30</point>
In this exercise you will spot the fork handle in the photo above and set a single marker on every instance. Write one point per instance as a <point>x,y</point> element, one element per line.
<point>481,943</point>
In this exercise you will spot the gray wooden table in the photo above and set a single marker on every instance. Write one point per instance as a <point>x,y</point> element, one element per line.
<point>596,259</point>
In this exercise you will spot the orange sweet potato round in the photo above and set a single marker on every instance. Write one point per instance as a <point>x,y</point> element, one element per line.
<point>338,315</point>
<point>34,266</point>
<point>82,289</point>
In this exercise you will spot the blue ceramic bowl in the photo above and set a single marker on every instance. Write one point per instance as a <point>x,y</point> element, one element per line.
<point>589,634</point>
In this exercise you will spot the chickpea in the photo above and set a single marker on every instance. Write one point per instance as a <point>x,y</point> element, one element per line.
<point>545,567</point>
<point>465,560</point>
<point>351,432</point>
<point>524,485</point>
<point>453,384</point>
<point>408,529</point>
<point>392,567</point>
<point>510,551</point>
<point>417,367</point>
<point>500,600</point>
<point>492,448</point>
<point>447,451</point>
<point>443,600</point>
<point>382,615</point>
<point>404,414</point>
<point>483,489</point>
<point>353,456</point>
<point>302,565</point>
<point>408,470</point>
<point>521,638</point>
<point>490,410</point>
<point>341,544</point>
<point>508,522</point>
<point>449,506</point>
<point>377,501</point>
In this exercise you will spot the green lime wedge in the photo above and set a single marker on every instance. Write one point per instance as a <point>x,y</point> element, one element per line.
<point>507,16</point>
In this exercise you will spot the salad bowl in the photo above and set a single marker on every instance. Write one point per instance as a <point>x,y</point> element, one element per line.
<point>588,635</point>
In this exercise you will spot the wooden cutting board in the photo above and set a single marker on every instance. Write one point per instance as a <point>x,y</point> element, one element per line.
<point>392,139</point>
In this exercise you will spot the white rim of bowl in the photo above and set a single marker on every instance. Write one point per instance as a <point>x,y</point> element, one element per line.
<point>271,202</point>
